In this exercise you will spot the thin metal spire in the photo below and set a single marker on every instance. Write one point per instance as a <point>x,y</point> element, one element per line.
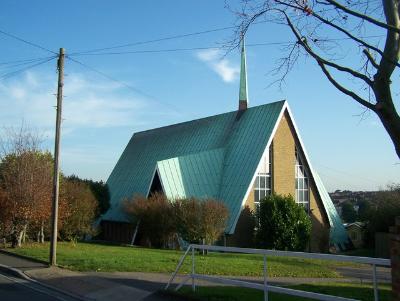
<point>243,96</point>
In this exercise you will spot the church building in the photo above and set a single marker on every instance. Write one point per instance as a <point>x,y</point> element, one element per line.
<point>237,157</point>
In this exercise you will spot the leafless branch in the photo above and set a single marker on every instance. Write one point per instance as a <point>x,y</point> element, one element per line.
<point>364,17</point>
<point>323,63</point>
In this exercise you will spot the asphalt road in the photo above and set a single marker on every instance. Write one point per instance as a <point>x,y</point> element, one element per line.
<point>15,289</point>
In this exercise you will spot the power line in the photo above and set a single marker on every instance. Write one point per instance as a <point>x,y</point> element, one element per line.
<point>206,48</point>
<point>155,40</point>
<point>137,91</point>
<point>26,42</point>
<point>109,77</point>
<point>11,66</point>
<point>13,73</point>
<point>24,60</point>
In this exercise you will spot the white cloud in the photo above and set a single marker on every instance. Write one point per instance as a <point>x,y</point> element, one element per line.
<point>86,103</point>
<point>222,66</point>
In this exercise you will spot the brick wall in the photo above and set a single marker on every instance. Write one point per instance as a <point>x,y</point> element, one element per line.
<point>283,182</point>
<point>395,259</point>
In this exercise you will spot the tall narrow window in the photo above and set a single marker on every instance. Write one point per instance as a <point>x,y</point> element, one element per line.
<point>263,185</point>
<point>302,182</point>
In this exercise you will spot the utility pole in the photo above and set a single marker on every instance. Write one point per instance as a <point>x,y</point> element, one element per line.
<point>56,176</point>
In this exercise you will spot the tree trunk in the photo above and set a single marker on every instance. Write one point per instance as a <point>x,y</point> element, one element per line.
<point>386,111</point>
<point>42,233</point>
<point>23,238</point>
<point>19,239</point>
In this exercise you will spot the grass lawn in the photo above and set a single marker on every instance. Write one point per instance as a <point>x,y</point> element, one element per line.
<point>109,258</point>
<point>221,293</point>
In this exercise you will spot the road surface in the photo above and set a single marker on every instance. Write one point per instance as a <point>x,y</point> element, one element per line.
<point>15,289</point>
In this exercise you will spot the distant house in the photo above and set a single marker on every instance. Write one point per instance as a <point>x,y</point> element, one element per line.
<point>237,157</point>
<point>356,232</point>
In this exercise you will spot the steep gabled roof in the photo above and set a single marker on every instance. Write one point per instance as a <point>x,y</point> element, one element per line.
<point>215,157</point>
<point>231,144</point>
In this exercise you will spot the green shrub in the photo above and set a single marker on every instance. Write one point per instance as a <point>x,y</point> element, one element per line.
<point>198,220</point>
<point>283,224</point>
<point>155,215</point>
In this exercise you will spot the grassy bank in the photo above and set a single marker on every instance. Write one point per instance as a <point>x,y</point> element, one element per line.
<point>99,257</point>
<point>347,290</point>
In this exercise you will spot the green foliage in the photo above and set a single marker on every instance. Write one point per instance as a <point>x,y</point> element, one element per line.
<point>100,191</point>
<point>188,219</point>
<point>78,209</point>
<point>155,216</point>
<point>349,214</point>
<point>382,211</point>
<point>283,224</point>
<point>200,219</point>
<point>193,219</point>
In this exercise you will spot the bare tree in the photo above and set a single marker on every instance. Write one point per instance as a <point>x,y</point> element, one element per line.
<point>355,43</point>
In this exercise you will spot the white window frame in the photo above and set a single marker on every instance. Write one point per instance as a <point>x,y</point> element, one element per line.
<point>261,192</point>
<point>302,182</point>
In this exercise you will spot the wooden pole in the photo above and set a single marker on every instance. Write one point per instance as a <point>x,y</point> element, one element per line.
<point>56,176</point>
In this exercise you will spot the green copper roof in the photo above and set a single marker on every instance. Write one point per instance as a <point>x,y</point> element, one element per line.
<point>215,156</point>
<point>338,235</point>
<point>192,175</point>
<point>243,74</point>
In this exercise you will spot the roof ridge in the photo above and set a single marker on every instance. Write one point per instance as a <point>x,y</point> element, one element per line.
<point>205,118</point>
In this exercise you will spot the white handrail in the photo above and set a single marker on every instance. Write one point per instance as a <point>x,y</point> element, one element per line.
<point>345,258</point>
<point>267,287</point>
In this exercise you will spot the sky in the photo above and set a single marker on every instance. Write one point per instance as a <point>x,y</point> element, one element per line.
<point>149,88</point>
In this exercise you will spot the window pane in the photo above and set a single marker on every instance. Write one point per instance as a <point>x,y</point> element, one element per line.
<point>268,183</point>
<point>300,196</point>
<point>262,182</point>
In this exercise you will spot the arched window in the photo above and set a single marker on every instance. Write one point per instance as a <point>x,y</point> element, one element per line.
<point>302,196</point>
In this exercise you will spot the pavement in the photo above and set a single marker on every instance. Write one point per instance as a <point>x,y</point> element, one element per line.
<point>135,285</point>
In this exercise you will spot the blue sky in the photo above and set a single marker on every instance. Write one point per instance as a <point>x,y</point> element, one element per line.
<point>100,115</point>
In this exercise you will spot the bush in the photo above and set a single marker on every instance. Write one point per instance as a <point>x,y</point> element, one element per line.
<point>78,209</point>
<point>155,215</point>
<point>188,219</point>
<point>283,224</point>
<point>382,211</point>
<point>200,219</point>
<point>193,219</point>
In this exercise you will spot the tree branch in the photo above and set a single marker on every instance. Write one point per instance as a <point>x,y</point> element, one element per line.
<point>370,58</point>
<point>364,17</point>
<point>392,46</point>
<point>322,63</point>
<point>305,45</point>
<point>353,37</point>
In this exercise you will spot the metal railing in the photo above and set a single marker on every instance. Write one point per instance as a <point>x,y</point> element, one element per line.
<point>374,262</point>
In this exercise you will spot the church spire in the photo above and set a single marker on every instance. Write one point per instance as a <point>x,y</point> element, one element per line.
<point>243,97</point>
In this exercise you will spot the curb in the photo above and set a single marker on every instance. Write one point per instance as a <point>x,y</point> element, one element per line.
<point>20,274</point>
<point>23,257</point>
<point>14,272</point>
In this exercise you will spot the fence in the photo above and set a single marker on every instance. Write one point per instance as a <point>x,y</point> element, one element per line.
<point>265,286</point>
